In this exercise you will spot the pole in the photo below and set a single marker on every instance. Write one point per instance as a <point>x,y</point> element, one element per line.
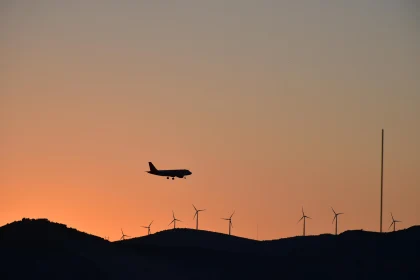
<point>382,178</point>
<point>336,224</point>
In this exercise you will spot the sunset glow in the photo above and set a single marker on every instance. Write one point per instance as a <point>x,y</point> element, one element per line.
<point>272,105</point>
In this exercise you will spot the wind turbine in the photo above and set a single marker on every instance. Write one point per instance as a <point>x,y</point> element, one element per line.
<point>230,221</point>
<point>148,228</point>
<point>174,220</point>
<point>304,220</point>
<point>196,214</point>
<point>123,235</point>
<point>336,219</point>
<point>393,222</point>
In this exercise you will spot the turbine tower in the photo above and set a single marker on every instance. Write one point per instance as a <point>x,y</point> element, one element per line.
<point>304,221</point>
<point>393,222</point>
<point>174,220</point>
<point>196,214</point>
<point>148,228</point>
<point>382,179</point>
<point>336,219</point>
<point>230,221</point>
<point>123,236</point>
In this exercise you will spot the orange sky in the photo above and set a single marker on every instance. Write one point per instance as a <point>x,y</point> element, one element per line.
<point>272,106</point>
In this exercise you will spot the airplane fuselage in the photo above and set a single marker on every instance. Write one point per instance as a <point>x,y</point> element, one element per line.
<point>179,173</point>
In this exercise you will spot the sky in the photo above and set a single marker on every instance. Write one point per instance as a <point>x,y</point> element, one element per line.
<point>272,105</point>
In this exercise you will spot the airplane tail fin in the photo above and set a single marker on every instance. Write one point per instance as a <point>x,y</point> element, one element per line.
<point>152,167</point>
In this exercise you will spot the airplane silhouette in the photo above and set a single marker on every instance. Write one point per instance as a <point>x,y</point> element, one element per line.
<point>180,173</point>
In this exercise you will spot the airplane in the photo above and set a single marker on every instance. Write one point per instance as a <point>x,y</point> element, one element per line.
<point>180,173</point>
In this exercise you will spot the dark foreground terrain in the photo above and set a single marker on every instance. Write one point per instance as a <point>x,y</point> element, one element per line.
<point>40,249</point>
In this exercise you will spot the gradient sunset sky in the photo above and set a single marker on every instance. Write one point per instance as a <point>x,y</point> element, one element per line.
<point>273,105</point>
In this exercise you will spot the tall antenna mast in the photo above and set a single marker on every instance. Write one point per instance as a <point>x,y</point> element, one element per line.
<point>382,178</point>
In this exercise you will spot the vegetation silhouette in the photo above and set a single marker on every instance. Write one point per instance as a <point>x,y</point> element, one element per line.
<point>48,250</point>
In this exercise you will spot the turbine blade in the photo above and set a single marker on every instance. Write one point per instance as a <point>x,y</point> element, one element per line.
<point>171,222</point>
<point>303,213</point>
<point>392,216</point>
<point>194,207</point>
<point>195,215</point>
<point>333,210</point>
<point>300,219</point>
<point>308,217</point>
<point>391,224</point>
<point>333,220</point>
<point>173,214</point>
<point>232,213</point>
<point>150,224</point>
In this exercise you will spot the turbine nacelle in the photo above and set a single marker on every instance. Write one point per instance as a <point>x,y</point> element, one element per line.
<point>394,222</point>
<point>174,219</point>
<point>304,217</point>
<point>148,227</point>
<point>197,210</point>
<point>196,215</point>
<point>230,221</point>
<point>335,215</point>
<point>123,236</point>
<point>336,219</point>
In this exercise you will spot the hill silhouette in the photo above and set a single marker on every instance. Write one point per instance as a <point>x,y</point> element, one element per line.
<point>191,239</point>
<point>40,249</point>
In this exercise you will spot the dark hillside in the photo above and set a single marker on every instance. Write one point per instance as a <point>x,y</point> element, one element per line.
<point>198,239</point>
<point>353,243</point>
<point>40,249</point>
<point>28,230</point>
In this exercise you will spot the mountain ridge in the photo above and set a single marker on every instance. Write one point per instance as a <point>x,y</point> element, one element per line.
<point>50,250</point>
